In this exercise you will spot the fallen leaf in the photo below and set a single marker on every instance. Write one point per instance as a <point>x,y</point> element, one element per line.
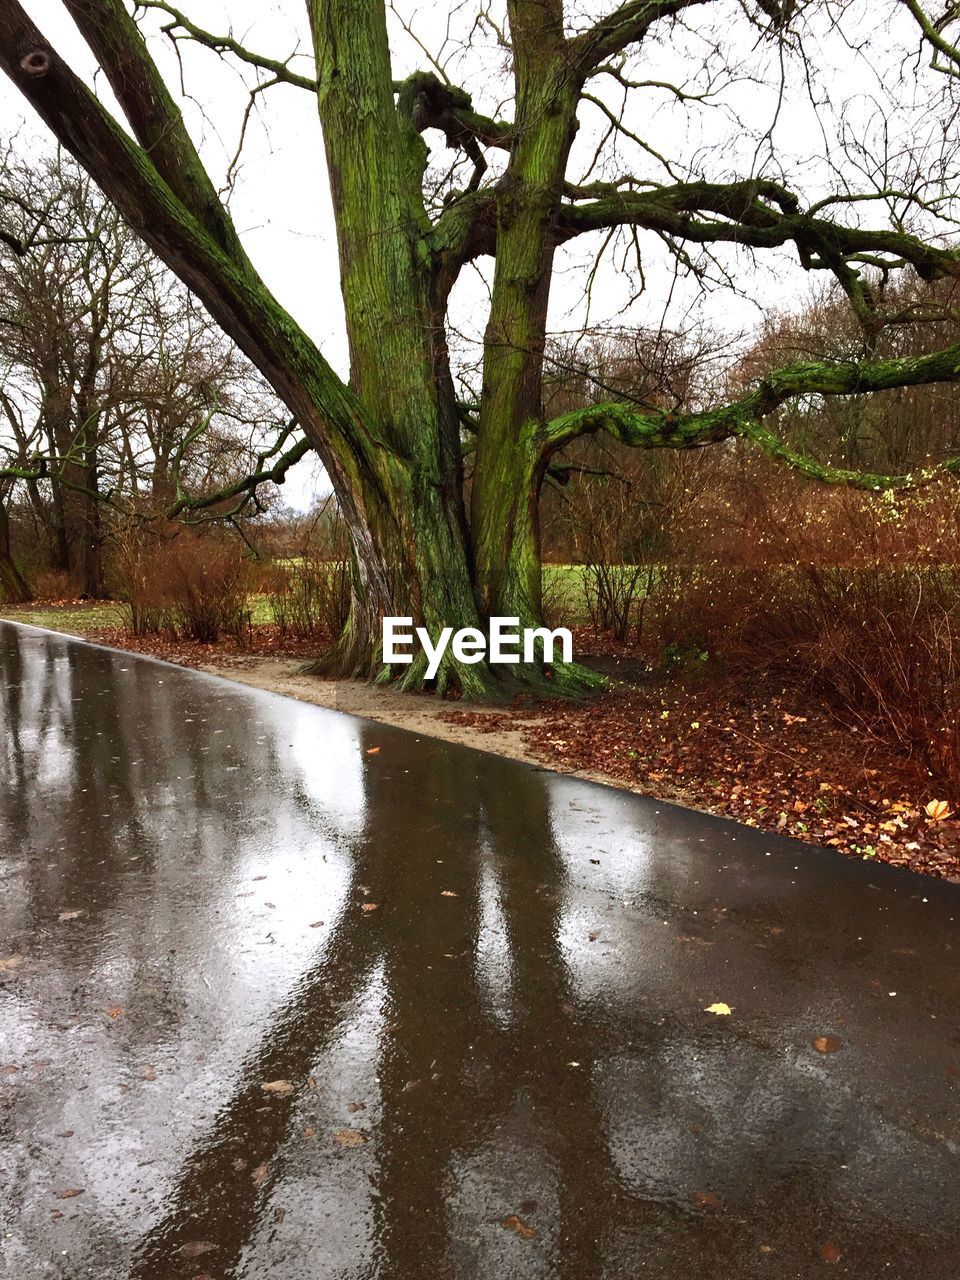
<point>937,810</point>
<point>114,1011</point>
<point>448,893</point>
<point>829,1252</point>
<point>357,1106</point>
<point>281,1088</point>
<point>719,1008</point>
<point>196,1248</point>
<point>259,1173</point>
<point>317,924</point>
<point>70,1193</point>
<point>148,1073</point>
<point>373,751</point>
<point>349,1137</point>
<point>259,877</point>
<point>238,1165</point>
<point>310,1131</point>
<point>706,1200</point>
<point>279,1214</point>
<point>11,963</point>
<point>513,1223</point>
<point>64,916</point>
<point>369,906</point>
<point>9,1070</point>
<point>825,1044</point>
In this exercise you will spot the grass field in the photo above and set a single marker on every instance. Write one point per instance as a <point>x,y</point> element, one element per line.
<point>82,619</point>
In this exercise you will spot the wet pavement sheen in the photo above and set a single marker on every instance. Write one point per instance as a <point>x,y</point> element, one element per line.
<point>501,1068</point>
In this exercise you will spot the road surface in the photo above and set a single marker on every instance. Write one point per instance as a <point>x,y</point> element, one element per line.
<point>286,995</point>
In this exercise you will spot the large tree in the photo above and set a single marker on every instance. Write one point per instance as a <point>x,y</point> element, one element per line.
<point>392,436</point>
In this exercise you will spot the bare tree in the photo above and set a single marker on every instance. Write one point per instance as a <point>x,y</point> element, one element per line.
<point>119,392</point>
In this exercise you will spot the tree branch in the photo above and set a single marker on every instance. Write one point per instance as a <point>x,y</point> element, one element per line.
<point>247,487</point>
<point>227,44</point>
<point>932,32</point>
<point>743,418</point>
<point>748,217</point>
<point>156,120</point>
<point>626,25</point>
<point>229,287</point>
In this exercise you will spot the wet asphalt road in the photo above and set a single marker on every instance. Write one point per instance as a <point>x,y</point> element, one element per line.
<point>503,1070</point>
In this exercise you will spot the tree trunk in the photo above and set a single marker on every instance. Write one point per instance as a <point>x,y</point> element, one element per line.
<point>13,586</point>
<point>510,462</point>
<point>410,553</point>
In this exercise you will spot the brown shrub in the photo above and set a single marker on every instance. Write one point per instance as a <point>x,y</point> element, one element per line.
<point>855,597</point>
<point>183,581</point>
<point>52,584</point>
<point>310,595</point>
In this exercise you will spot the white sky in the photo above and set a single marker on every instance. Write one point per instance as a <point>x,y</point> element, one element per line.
<point>281,204</point>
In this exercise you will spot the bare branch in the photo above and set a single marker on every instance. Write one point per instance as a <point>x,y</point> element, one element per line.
<point>279,70</point>
<point>625,26</point>
<point>748,217</point>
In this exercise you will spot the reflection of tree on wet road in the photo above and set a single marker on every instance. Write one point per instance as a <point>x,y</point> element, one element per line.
<point>532,1102</point>
<point>450,1074</point>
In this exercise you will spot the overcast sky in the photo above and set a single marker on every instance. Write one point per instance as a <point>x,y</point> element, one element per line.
<point>281,205</point>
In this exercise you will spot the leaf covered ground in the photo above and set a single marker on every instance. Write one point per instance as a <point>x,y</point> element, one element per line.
<point>753,752</point>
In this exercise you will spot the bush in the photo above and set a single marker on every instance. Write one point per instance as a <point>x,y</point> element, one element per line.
<point>207,582</point>
<point>310,595</point>
<point>851,597</point>
<point>186,582</point>
<point>559,594</point>
<point>136,584</point>
<point>616,596</point>
<point>52,584</point>
<point>882,646</point>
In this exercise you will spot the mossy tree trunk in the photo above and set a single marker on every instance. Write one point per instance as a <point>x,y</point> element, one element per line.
<point>410,548</point>
<point>14,588</point>
<point>508,467</point>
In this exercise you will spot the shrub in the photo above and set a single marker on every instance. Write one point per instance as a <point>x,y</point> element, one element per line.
<point>207,581</point>
<point>182,581</point>
<point>559,594</point>
<point>882,646</point>
<point>52,584</point>
<point>615,597</point>
<point>852,597</point>
<point>135,582</point>
<point>310,595</point>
